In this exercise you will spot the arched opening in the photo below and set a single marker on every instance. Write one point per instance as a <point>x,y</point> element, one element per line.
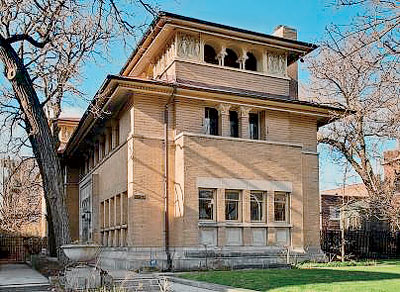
<point>231,59</point>
<point>210,56</point>
<point>251,62</point>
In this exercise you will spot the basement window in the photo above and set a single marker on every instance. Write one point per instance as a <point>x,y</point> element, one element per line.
<point>211,121</point>
<point>210,56</point>
<point>206,204</point>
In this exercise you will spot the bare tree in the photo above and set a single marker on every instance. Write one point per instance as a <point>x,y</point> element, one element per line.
<point>43,47</point>
<point>357,69</point>
<point>21,194</point>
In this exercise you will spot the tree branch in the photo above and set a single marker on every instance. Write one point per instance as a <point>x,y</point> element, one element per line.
<point>24,37</point>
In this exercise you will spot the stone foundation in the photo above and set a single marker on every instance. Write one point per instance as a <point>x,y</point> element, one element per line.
<point>184,259</point>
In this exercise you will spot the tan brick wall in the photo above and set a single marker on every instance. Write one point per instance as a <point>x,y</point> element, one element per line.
<point>222,76</point>
<point>209,157</point>
<point>192,157</point>
<point>311,200</point>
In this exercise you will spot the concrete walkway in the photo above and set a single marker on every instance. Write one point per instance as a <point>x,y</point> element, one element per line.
<point>20,275</point>
<point>127,279</point>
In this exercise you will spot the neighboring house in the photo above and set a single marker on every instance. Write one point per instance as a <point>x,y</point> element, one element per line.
<point>205,155</point>
<point>391,167</point>
<point>345,199</point>
<point>66,126</point>
<point>22,203</point>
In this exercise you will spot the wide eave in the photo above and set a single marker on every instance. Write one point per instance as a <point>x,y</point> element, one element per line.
<point>322,112</point>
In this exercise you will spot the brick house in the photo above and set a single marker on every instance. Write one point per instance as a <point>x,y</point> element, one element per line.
<point>335,201</point>
<point>350,198</point>
<point>206,155</point>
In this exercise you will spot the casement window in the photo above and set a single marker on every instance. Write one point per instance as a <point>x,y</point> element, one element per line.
<point>257,206</point>
<point>281,207</point>
<point>232,205</point>
<point>254,126</point>
<point>334,213</point>
<point>234,123</point>
<point>206,204</point>
<point>211,121</point>
<point>210,56</point>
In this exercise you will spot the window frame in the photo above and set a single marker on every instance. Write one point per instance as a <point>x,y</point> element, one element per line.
<point>231,120</point>
<point>207,115</point>
<point>213,202</point>
<point>258,126</point>
<point>334,210</point>
<point>263,206</point>
<point>287,207</point>
<point>239,205</point>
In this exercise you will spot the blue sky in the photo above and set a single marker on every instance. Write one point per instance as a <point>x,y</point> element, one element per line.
<point>309,17</point>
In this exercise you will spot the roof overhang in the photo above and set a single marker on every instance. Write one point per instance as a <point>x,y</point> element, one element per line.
<point>161,28</point>
<point>116,89</point>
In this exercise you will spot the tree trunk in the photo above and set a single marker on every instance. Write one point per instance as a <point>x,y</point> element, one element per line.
<point>42,141</point>
<point>51,241</point>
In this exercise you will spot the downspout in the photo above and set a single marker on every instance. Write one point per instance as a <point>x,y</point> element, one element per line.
<point>166,178</point>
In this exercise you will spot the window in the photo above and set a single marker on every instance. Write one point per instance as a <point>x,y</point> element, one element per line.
<point>211,121</point>
<point>256,206</point>
<point>210,56</point>
<point>117,135</point>
<point>397,184</point>
<point>109,137</point>
<point>206,204</point>
<point>230,59</point>
<point>103,149</point>
<point>334,213</point>
<point>234,123</point>
<point>253,126</point>
<point>251,62</point>
<point>232,200</point>
<point>281,207</point>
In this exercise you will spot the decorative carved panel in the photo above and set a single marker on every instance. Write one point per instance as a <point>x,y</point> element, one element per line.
<point>276,64</point>
<point>188,46</point>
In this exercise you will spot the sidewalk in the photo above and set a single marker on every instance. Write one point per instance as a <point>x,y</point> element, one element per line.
<point>177,284</point>
<point>16,276</point>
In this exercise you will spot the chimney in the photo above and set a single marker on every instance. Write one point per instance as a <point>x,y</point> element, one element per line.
<point>290,33</point>
<point>285,32</point>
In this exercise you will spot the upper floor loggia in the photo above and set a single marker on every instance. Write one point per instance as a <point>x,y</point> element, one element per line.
<point>187,50</point>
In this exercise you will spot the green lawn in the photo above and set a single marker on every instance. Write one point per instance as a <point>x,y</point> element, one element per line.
<point>383,276</point>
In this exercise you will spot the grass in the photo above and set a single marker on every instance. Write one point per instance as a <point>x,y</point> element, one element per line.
<point>373,276</point>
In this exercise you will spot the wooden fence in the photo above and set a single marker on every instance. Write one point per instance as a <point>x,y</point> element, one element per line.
<point>362,244</point>
<point>16,249</point>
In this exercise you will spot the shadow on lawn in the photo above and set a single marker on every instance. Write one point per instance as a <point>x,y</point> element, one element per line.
<point>263,280</point>
<point>325,276</point>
